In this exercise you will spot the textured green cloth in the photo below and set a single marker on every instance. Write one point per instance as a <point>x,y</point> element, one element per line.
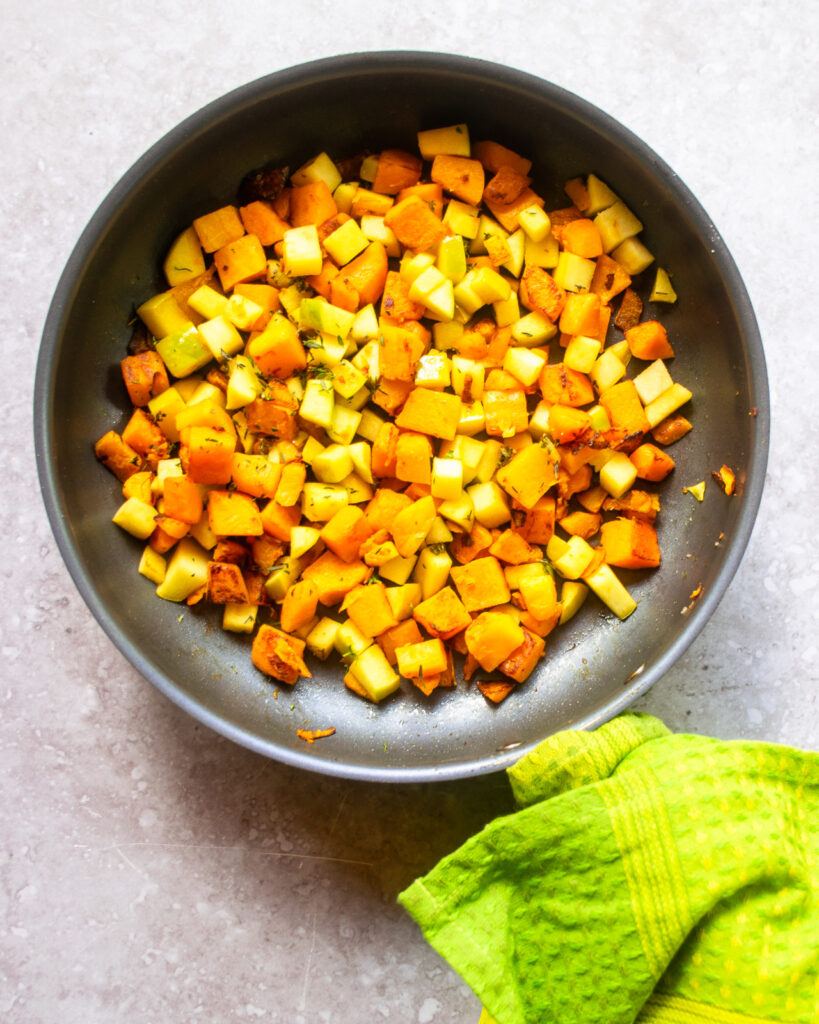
<point>647,876</point>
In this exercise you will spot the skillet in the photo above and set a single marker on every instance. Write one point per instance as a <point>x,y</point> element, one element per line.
<point>595,666</point>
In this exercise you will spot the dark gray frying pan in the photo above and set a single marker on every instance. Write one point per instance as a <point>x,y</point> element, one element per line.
<point>594,667</point>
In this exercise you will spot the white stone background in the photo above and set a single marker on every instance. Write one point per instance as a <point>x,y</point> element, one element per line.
<point>152,871</point>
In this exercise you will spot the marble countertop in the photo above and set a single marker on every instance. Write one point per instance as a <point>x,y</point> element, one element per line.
<point>153,871</point>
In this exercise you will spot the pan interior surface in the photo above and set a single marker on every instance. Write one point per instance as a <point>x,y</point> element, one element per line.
<point>595,665</point>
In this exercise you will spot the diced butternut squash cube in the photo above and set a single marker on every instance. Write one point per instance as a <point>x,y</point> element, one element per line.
<point>481,583</point>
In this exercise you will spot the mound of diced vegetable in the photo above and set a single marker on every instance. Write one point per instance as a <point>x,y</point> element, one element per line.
<point>381,411</point>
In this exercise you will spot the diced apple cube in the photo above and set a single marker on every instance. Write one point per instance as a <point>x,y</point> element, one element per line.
<point>544,253</point>
<point>447,478</point>
<point>572,595</point>
<point>207,302</point>
<point>440,302</point>
<point>445,335</point>
<point>403,599</point>
<point>666,403</point>
<point>431,571</point>
<point>242,312</point>
<point>184,260</point>
<point>302,538</point>
<point>581,353</point>
<point>346,242</point>
<point>570,557</point>
<point>321,638</point>
<point>349,641</point>
<point>535,222</point>
<point>162,316</point>
<point>662,290</point>
<point>239,618</point>
<point>375,674</point>
<point>343,425</point>
<point>607,370</point>
<point>451,258</point>
<point>462,218</point>
<point>320,501</point>
<point>375,230</point>
<point>434,371</point>
<point>632,256</point>
<point>333,463</point>
<point>414,264</point>
<point>318,403</point>
<point>187,571</point>
<point>524,364</point>
<point>611,591</point>
<point>616,223</point>
<point>618,474</point>
<point>490,286</point>
<point>533,329</point>
<point>398,570</point>
<point>574,273</point>
<point>468,377</point>
<point>152,565</point>
<point>600,196</point>
<point>507,311</point>
<point>302,251</point>
<point>365,324</point>
<point>490,504</point>
<point>450,141</point>
<point>473,418</point>
<point>320,168</point>
<point>653,381</point>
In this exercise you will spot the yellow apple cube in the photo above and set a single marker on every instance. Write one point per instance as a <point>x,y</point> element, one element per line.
<point>653,381</point>
<point>239,618</point>
<point>544,253</point>
<point>162,316</point>
<point>462,218</point>
<point>221,336</point>
<point>136,517</point>
<point>320,168</point>
<point>632,256</point>
<point>302,251</point>
<point>570,557</point>
<point>618,474</point>
<point>447,478</point>
<point>346,242</point>
<point>524,364</point>
<point>207,302</point>
<point>666,403</point>
<point>616,223</point>
<point>607,370</point>
<point>187,571</point>
<point>375,230</point>
<point>318,403</point>
<point>152,565</point>
<point>611,591</point>
<point>535,222</point>
<point>574,273</point>
<point>450,141</point>
<point>662,290</point>
<point>581,353</point>
<point>572,595</point>
<point>185,259</point>
<point>534,328</point>
<point>320,501</point>
<point>490,504</point>
<point>434,371</point>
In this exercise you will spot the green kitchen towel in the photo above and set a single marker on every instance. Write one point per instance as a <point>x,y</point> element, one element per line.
<point>669,879</point>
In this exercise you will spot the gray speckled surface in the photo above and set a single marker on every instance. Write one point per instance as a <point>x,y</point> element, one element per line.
<point>152,871</point>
